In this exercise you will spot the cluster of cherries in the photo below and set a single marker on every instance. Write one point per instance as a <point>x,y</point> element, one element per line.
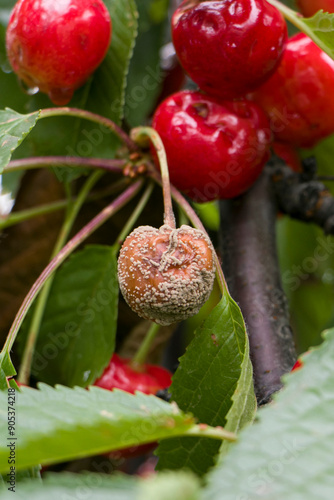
<point>254,84</point>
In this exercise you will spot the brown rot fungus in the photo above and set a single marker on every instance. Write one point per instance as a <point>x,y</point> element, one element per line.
<point>166,274</point>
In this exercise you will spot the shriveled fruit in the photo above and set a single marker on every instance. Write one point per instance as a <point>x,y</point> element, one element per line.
<point>166,274</point>
<point>56,45</point>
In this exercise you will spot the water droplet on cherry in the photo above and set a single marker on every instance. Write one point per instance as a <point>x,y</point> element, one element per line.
<point>28,90</point>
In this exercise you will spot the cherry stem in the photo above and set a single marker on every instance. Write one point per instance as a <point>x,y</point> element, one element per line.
<point>140,135</point>
<point>134,217</point>
<point>115,165</point>
<point>141,355</point>
<point>204,430</point>
<point>93,117</point>
<point>30,213</point>
<point>81,236</point>
<point>35,324</point>
<point>197,223</point>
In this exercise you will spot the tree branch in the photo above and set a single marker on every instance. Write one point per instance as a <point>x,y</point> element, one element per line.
<point>250,264</point>
<point>301,196</point>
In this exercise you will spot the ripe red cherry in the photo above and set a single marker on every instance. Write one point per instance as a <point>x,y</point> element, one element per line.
<point>309,7</point>
<point>228,47</point>
<point>299,97</point>
<point>57,45</point>
<point>119,374</point>
<point>214,149</point>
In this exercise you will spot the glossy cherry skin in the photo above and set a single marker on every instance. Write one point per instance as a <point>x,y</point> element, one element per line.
<point>57,45</point>
<point>228,47</point>
<point>299,97</point>
<point>309,7</point>
<point>214,149</point>
<point>120,375</point>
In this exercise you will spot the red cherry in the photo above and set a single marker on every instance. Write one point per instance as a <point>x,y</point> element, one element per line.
<point>119,374</point>
<point>214,149</point>
<point>56,45</point>
<point>309,7</point>
<point>299,97</point>
<point>298,364</point>
<point>228,47</point>
<point>289,154</point>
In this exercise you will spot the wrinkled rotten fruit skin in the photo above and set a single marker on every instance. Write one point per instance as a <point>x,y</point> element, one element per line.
<point>299,97</point>
<point>57,45</point>
<point>120,375</point>
<point>214,149</point>
<point>228,47</point>
<point>166,274</point>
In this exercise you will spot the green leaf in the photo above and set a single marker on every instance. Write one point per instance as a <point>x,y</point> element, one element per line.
<point>11,94</point>
<point>288,453</point>
<point>66,486</point>
<point>107,92</point>
<point>209,214</point>
<point>170,486</point>
<point>61,424</point>
<point>7,369</point>
<point>307,277</point>
<point>21,475</point>
<point>145,76</point>
<point>320,27</point>
<point>214,382</point>
<point>77,336</point>
<point>323,152</point>
<point>14,127</point>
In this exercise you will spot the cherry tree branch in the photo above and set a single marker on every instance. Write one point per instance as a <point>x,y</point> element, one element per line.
<point>302,196</point>
<point>250,264</point>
